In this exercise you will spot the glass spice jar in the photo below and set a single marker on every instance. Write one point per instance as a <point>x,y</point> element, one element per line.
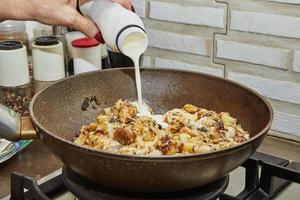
<point>15,87</point>
<point>13,30</point>
<point>17,98</point>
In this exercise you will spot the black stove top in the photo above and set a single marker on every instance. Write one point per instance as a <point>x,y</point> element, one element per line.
<point>265,177</point>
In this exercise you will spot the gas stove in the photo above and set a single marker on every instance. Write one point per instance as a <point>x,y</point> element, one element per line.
<point>262,176</point>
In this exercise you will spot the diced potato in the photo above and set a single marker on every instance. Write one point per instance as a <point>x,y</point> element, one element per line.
<point>190,108</point>
<point>194,139</point>
<point>227,119</point>
<point>184,137</point>
<point>101,119</point>
<point>92,127</point>
<point>171,152</point>
<point>148,136</point>
<point>202,148</point>
<point>188,147</point>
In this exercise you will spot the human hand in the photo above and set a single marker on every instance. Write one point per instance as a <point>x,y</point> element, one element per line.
<point>56,12</point>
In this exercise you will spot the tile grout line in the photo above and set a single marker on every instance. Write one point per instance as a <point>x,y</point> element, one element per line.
<point>214,52</point>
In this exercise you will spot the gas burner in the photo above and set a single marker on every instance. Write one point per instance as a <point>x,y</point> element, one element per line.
<point>86,190</point>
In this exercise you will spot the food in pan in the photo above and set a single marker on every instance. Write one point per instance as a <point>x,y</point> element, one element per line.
<point>189,130</point>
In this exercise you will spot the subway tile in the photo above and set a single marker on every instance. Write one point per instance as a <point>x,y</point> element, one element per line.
<point>266,23</point>
<point>271,88</point>
<point>172,64</point>
<point>197,15</point>
<point>178,42</point>
<point>251,53</point>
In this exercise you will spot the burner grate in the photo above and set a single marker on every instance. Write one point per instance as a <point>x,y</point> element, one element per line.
<point>44,191</point>
<point>276,174</point>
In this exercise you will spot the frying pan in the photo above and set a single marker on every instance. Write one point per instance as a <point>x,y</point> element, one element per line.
<point>57,117</point>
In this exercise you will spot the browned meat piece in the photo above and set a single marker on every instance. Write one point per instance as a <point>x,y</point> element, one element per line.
<point>167,146</point>
<point>124,136</point>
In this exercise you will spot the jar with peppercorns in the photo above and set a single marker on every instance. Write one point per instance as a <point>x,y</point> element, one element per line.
<point>15,87</point>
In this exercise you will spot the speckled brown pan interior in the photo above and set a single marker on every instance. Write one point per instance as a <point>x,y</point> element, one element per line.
<point>57,115</point>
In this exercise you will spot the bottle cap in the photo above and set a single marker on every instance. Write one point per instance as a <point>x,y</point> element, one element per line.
<point>46,41</point>
<point>70,36</point>
<point>10,45</point>
<point>84,43</point>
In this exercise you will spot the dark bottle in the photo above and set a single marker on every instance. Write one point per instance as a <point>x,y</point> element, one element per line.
<point>104,57</point>
<point>119,60</point>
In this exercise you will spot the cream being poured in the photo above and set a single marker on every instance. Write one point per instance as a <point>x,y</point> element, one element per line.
<point>133,46</point>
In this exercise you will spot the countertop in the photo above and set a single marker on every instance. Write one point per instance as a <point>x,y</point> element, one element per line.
<point>36,161</point>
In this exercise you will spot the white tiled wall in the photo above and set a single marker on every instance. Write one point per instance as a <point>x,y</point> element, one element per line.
<point>275,89</point>
<point>266,23</point>
<point>253,53</point>
<point>178,42</point>
<point>172,64</point>
<point>188,14</point>
<point>140,7</point>
<point>261,48</point>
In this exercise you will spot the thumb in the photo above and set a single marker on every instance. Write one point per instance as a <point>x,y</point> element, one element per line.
<point>87,27</point>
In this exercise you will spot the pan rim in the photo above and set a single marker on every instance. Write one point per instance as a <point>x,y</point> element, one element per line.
<point>119,156</point>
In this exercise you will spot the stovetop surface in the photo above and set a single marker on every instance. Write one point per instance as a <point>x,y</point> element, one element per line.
<point>260,168</point>
<point>39,163</point>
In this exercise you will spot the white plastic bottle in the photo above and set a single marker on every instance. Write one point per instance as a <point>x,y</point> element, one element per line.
<point>116,23</point>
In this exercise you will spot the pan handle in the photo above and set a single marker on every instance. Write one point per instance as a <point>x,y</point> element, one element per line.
<point>13,127</point>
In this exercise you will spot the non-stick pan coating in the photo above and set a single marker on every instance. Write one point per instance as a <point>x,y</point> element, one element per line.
<point>56,112</point>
